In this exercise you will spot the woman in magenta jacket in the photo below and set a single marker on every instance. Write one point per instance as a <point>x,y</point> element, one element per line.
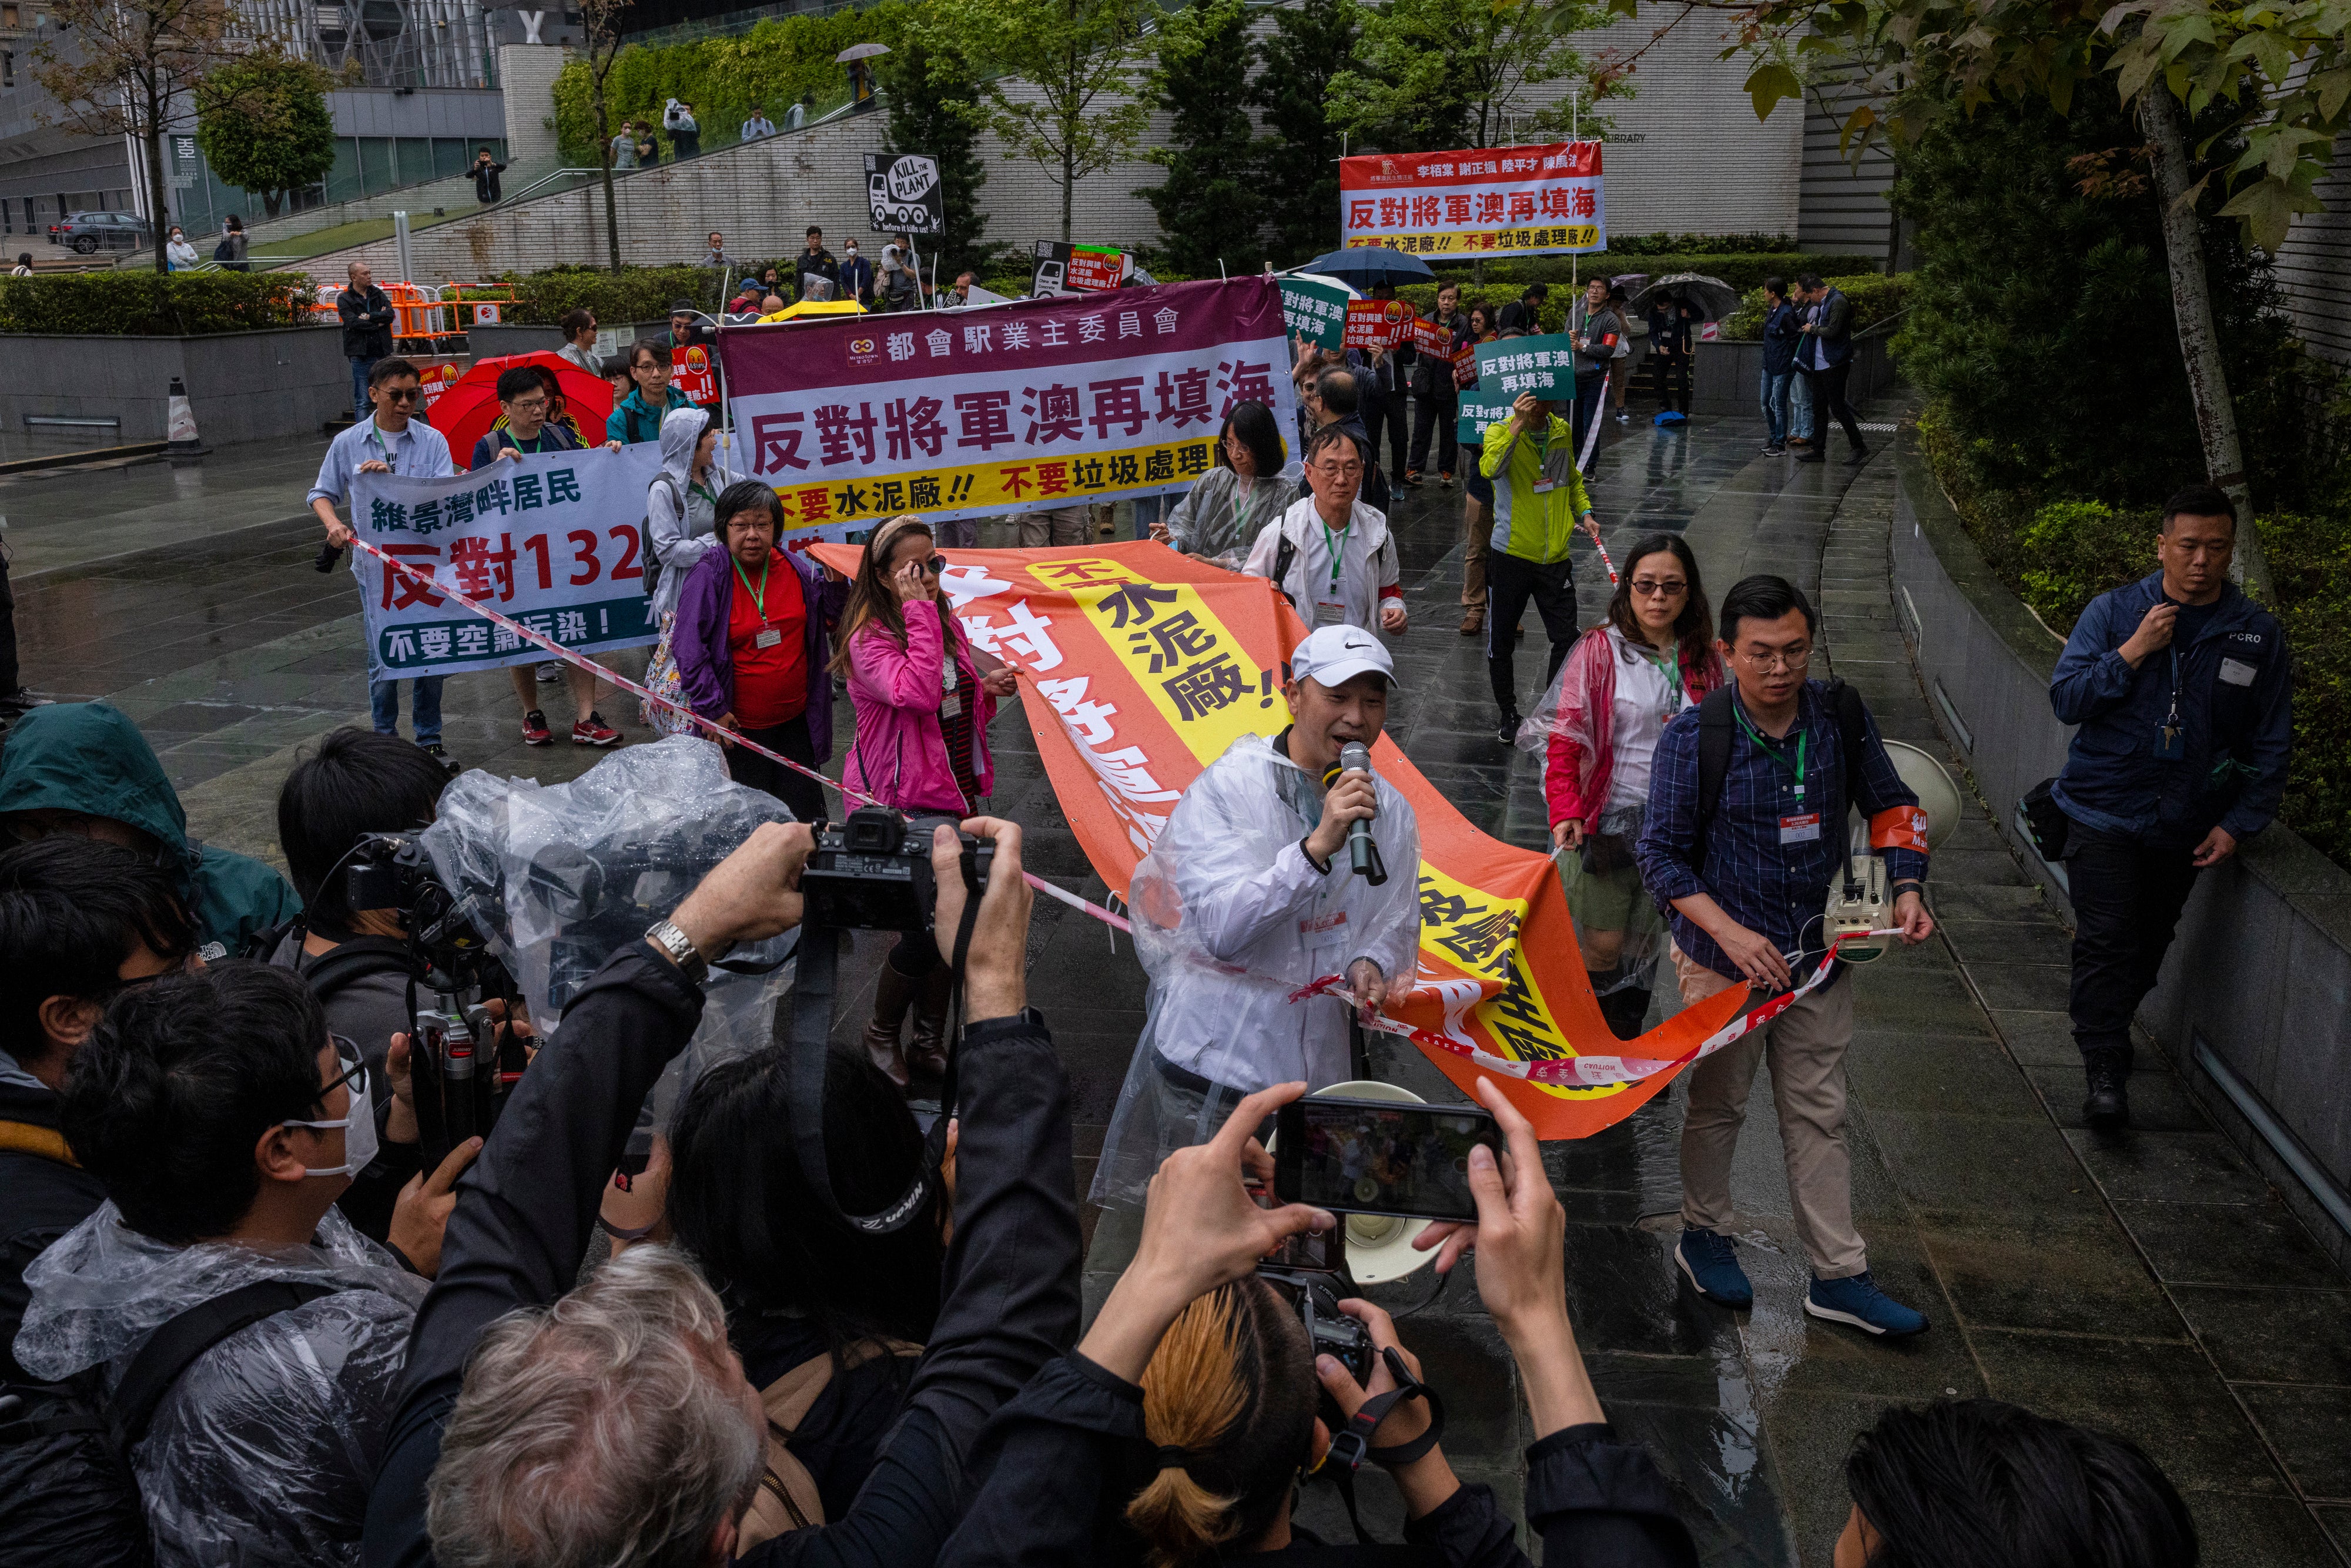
<point>1598,727</point>
<point>923,711</point>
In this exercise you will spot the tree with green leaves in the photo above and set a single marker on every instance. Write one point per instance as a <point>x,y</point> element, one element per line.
<point>1311,44</point>
<point>1210,207</point>
<point>262,124</point>
<point>2278,77</point>
<point>602,25</point>
<point>1065,95</point>
<point>1433,74</point>
<point>933,99</point>
<point>126,69</point>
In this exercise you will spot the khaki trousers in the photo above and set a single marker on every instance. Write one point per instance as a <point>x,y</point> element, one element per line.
<point>1060,527</point>
<point>1478,536</point>
<point>1805,1047</point>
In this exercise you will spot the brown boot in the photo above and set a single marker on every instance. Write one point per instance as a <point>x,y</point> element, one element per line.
<point>927,1053</point>
<point>1473,619</point>
<point>893,993</point>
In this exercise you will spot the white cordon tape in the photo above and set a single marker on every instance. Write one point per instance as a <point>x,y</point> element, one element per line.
<point>1583,462</point>
<point>716,730</point>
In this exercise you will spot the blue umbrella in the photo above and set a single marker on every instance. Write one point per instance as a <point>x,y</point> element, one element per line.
<point>1365,265</point>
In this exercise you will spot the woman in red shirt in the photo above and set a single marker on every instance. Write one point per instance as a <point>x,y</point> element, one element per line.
<point>752,639</point>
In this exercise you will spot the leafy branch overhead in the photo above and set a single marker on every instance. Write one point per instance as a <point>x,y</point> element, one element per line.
<point>1431,74</point>
<point>2279,75</point>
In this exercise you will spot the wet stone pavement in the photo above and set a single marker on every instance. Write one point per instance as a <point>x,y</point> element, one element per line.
<point>2150,1282</point>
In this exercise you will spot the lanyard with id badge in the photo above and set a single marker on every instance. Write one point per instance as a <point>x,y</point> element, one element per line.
<point>1799,826</point>
<point>767,636</point>
<point>1329,608</point>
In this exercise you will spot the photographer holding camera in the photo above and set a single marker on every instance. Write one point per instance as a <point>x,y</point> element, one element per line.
<point>1183,1421</point>
<point>615,1424</point>
<point>1267,863</point>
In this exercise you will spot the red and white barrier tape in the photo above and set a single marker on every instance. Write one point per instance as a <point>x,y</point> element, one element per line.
<point>717,731</point>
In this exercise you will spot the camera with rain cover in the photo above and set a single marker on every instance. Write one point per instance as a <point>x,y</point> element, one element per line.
<point>463,1060</point>
<point>871,874</point>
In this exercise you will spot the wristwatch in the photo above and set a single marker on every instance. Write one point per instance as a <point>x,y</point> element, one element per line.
<point>667,937</point>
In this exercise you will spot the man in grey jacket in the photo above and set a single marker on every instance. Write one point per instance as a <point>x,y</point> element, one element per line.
<point>1824,358</point>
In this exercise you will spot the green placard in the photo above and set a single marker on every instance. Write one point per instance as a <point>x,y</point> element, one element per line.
<point>1478,411</point>
<point>1317,310</point>
<point>1510,368</point>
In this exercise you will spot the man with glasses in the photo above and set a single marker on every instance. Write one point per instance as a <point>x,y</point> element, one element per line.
<point>1742,862</point>
<point>389,441</point>
<point>526,394</point>
<point>223,1122</point>
<point>1331,555</point>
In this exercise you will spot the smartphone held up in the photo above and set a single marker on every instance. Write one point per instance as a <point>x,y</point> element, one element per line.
<point>1377,1157</point>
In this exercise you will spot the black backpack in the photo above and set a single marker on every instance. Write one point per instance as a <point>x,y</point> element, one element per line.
<point>1716,722</point>
<point>65,1448</point>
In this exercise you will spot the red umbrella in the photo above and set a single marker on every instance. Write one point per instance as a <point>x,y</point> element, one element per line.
<point>469,409</point>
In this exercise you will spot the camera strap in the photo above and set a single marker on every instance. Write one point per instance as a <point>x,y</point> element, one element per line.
<point>1352,1444</point>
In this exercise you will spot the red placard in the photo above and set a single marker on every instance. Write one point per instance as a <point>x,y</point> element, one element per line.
<point>1432,336</point>
<point>694,372</point>
<point>1095,269</point>
<point>1377,323</point>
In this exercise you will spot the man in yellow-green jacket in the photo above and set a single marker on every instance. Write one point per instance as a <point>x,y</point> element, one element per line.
<point>1538,499</point>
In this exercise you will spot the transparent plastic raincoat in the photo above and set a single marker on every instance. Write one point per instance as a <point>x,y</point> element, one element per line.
<point>265,1449</point>
<point>1230,918</point>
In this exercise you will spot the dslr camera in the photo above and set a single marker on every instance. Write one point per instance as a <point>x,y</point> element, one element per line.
<point>870,872</point>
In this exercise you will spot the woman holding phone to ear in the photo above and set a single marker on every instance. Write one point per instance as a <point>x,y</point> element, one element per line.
<point>923,712</point>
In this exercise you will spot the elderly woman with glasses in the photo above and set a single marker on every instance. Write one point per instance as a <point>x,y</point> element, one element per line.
<point>1598,732</point>
<point>923,710</point>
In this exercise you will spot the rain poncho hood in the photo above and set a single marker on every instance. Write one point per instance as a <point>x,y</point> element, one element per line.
<point>264,1450</point>
<point>90,757</point>
<point>680,522</point>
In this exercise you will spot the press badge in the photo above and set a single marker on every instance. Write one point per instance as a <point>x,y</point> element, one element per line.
<point>2236,671</point>
<point>1802,828</point>
<point>1329,612</point>
<point>767,638</point>
<point>1318,931</point>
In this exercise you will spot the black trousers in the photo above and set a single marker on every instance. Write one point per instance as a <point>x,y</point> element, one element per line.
<point>1396,419</point>
<point>1439,414</point>
<point>1673,368</point>
<point>2127,900</point>
<point>1828,398</point>
<point>1588,406</point>
<point>1511,582</point>
<point>804,795</point>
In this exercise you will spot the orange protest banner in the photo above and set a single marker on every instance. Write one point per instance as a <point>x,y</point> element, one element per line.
<point>1139,666</point>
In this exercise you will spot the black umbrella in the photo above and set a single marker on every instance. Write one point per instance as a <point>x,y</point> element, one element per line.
<point>1365,265</point>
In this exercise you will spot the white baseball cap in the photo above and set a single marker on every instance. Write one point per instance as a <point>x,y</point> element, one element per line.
<point>1334,656</point>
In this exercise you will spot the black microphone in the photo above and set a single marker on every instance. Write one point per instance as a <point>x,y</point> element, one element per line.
<point>1363,852</point>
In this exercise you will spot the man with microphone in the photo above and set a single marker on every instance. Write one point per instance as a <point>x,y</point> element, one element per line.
<point>1287,861</point>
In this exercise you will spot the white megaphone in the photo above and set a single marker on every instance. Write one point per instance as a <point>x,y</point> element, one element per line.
<point>1859,902</point>
<point>1379,1245</point>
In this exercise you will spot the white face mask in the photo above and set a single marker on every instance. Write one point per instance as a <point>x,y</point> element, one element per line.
<point>358,1124</point>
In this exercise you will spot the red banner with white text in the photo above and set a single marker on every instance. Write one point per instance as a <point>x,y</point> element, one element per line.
<point>1139,666</point>
<point>1478,202</point>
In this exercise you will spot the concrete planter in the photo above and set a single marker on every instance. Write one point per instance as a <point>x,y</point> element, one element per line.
<point>244,386</point>
<point>2254,1005</point>
<point>1728,378</point>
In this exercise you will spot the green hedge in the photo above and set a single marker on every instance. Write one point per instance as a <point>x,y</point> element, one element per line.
<point>1875,298</point>
<point>152,305</point>
<point>2066,553</point>
<point>633,294</point>
<point>1742,270</point>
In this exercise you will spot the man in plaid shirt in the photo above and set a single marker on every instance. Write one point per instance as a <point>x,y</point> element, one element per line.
<point>1747,907</point>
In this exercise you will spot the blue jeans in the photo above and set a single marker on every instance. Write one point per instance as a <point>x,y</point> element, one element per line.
<point>359,369</point>
<point>1802,419</point>
<point>1775,405</point>
<point>424,707</point>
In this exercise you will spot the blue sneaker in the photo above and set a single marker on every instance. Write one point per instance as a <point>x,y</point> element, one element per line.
<point>1857,1301</point>
<point>1713,1268</point>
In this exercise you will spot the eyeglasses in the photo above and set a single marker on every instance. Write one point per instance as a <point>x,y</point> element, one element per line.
<point>528,405</point>
<point>401,395</point>
<point>347,1057</point>
<point>1649,588</point>
<point>1776,663</point>
<point>936,565</point>
<point>1341,470</point>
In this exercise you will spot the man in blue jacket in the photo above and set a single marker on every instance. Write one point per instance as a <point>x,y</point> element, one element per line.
<point>1781,324</point>
<point>2180,687</point>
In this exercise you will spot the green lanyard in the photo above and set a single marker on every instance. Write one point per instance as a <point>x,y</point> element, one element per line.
<point>759,594</point>
<point>1334,544</point>
<point>1803,738</point>
<point>1670,666</point>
